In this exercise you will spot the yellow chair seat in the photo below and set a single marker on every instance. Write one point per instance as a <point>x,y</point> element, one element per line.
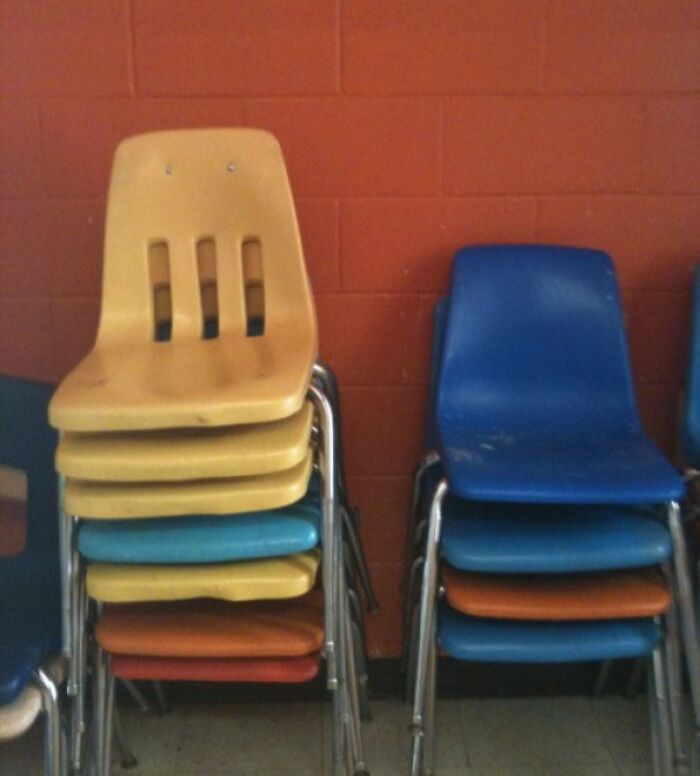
<point>108,500</point>
<point>187,454</point>
<point>154,385</point>
<point>274,578</point>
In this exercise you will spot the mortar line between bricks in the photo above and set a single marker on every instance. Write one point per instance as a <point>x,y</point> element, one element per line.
<point>448,196</point>
<point>131,48</point>
<point>340,54</point>
<point>441,146</point>
<point>347,96</point>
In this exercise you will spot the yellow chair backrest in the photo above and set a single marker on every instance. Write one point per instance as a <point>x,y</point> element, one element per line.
<point>201,229</point>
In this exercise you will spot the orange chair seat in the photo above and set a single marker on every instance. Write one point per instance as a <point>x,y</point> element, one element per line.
<point>174,669</point>
<point>207,628</point>
<point>599,596</point>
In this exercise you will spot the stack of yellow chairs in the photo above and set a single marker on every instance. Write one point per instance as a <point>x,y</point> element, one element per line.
<point>201,482</point>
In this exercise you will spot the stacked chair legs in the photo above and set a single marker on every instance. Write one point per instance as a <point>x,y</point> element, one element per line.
<point>207,533</point>
<point>545,528</point>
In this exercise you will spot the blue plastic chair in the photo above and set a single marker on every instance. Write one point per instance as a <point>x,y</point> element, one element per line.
<point>203,538</point>
<point>535,405</point>
<point>30,605</point>
<point>691,418</point>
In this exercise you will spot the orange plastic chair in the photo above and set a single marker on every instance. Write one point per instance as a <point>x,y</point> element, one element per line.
<point>209,628</point>
<point>201,228</point>
<point>597,596</point>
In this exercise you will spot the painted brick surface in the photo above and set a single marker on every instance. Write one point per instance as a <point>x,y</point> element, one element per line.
<point>410,127</point>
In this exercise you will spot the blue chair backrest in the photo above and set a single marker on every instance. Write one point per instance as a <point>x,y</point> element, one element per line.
<point>439,323</point>
<point>28,443</point>
<point>535,345</point>
<point>691,421</point>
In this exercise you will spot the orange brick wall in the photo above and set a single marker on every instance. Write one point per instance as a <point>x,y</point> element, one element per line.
<point>410,127</point>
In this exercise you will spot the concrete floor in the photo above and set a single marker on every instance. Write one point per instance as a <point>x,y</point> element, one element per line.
<point>563,736</point>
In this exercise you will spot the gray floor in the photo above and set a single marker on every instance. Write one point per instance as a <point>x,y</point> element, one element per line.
<point>501,737</point>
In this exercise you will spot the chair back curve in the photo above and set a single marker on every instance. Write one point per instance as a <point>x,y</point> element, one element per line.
<point>535,345</point>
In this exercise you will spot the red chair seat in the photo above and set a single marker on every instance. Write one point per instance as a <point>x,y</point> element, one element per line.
<point>269,670</point>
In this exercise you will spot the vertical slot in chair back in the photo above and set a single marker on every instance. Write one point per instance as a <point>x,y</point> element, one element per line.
<point>201,239</point>
<point>535,345</point>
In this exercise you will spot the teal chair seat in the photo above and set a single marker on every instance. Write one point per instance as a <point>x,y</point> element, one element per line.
<point>509,641</point>
<point>202,538</point>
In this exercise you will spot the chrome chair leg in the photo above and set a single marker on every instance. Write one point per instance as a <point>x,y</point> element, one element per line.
<point>410,687</point>
<point>412,583</point>
<point>684,596</point>
<point>350,675</point>
<point>654,727</point>
<point>99,713</point>
<point>325,377</point>
<point>126,755</point>
<point>79,658</point>
<point>602,678</point>
<point>340,728</point>
<point>161,700</point>
<point>428,603</point>
<point>673,656</point>
<point>330,513</point>
<point>138,697</point>
<point>53,751</point>
<point>108,719</point>
<point>429,749</point>
<point>360,652</point>
<point>74,592</point>
<point>634,683</point>
<point>660,693</point>
<point>65,543</point>
<point>358,556</point>
<point>429,459</point>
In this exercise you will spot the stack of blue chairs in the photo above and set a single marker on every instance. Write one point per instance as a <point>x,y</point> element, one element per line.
<point>539,473</point>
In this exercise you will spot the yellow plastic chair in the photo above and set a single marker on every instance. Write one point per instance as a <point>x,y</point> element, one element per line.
<point>187,454</point>
<point>273,578</point>
<point>201,230</point>
<point>110,500</point>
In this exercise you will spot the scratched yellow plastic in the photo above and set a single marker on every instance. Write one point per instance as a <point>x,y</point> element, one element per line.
<point>187,454</point>
<point>114,500</point>
<point>286,577</point>
<point>183,186</point>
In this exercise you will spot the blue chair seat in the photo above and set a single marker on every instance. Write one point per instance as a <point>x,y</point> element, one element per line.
<point>535,399</point>
<point>30,631</point>
<point>498,641</point>
<point>548,538</point>
<point>202,538</point>
<point>624,469</point>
